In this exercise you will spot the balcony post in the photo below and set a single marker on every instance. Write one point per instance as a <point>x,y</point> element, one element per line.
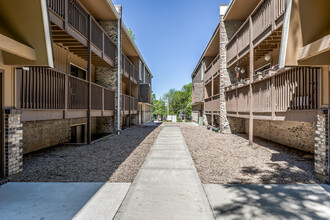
<point>272,95</point>
<point>236,97</point>
<point>103,45</point>
<point>102,101</point>
<point>66,95</point>
<point>89,73</point>
<point>130,95</point>
<point>251,81</point>
<point>66,14</point>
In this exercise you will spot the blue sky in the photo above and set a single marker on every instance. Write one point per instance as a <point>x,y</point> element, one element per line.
<point>171,35</point>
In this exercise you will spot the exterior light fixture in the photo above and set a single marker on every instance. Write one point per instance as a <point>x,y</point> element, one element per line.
<point>267,57</point>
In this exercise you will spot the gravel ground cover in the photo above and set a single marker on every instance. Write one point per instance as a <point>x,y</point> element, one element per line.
<point>114,159</point>
<point>228,159</point>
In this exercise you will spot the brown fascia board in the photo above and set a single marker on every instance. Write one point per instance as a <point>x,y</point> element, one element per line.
<point>208,45</point>
<point>125,31</point>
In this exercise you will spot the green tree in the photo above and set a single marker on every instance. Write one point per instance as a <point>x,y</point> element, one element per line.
<point>158,108</point>
<point>176,101</point>
<point>131,33</point>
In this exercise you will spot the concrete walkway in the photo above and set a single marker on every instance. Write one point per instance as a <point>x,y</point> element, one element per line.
<point>167,186</point>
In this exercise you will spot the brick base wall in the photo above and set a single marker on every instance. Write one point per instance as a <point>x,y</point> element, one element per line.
<point>321,146</point>
<point>42,134</point>
<point>13,143</point>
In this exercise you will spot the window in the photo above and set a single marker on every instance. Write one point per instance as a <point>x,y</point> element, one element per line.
<point>78,72</point>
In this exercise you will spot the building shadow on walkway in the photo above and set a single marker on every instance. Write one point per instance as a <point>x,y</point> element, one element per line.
<point>274,202</point>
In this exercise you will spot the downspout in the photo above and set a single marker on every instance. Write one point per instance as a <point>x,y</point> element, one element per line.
<point>285,34</point>
<point>119,69</point>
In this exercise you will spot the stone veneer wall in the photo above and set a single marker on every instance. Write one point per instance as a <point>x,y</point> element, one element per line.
<point>237,125</point>
<point>13,142</point>
<point>198,92</point>
<point>42,134</point>
<point>226,31</point>
<point>108,77</point>
<point>321,146</point>
<point>295,134</point>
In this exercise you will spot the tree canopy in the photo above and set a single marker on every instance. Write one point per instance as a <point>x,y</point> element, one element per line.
<point>174,100</point>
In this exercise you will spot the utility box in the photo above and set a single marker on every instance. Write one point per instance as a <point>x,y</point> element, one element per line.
<point>200,121</point>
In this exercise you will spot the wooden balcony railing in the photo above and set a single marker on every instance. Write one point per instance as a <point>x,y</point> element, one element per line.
<point>128,103</point>
<point>73,13</point>
<point>293,89</point>
<point>44,88</point>
<point>147,77</point>
<point>212,104</point>
<point>212,69</point>
<point>129,69</point>
<point>265,19</point>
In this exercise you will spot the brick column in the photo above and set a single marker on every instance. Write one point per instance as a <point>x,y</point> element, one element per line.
<point>321,146</point>
<point>13,142</point>
<point>107,77</point>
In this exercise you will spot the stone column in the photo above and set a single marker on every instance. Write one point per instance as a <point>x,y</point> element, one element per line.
<point>321,159</point>
<point>224,78</point>
<point>13,142</point>
<point>107,77</point>
<point>227,30</point>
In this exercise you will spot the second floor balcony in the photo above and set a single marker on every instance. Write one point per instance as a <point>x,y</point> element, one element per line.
<point>212,104</point>
<point>278,96</point>
<point>129,70</point>
<point>70,27</point>
<point>212,70</point>
<point>44,94</point>
<point>267,18</point>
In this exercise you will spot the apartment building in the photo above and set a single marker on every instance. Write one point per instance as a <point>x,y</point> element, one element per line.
<point>267,74</point>
<point>145,101</point>
<point>197,92</point>
<point>70,74</point>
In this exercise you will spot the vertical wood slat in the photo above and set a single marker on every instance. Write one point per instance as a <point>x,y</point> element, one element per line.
<point>310,89</point>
